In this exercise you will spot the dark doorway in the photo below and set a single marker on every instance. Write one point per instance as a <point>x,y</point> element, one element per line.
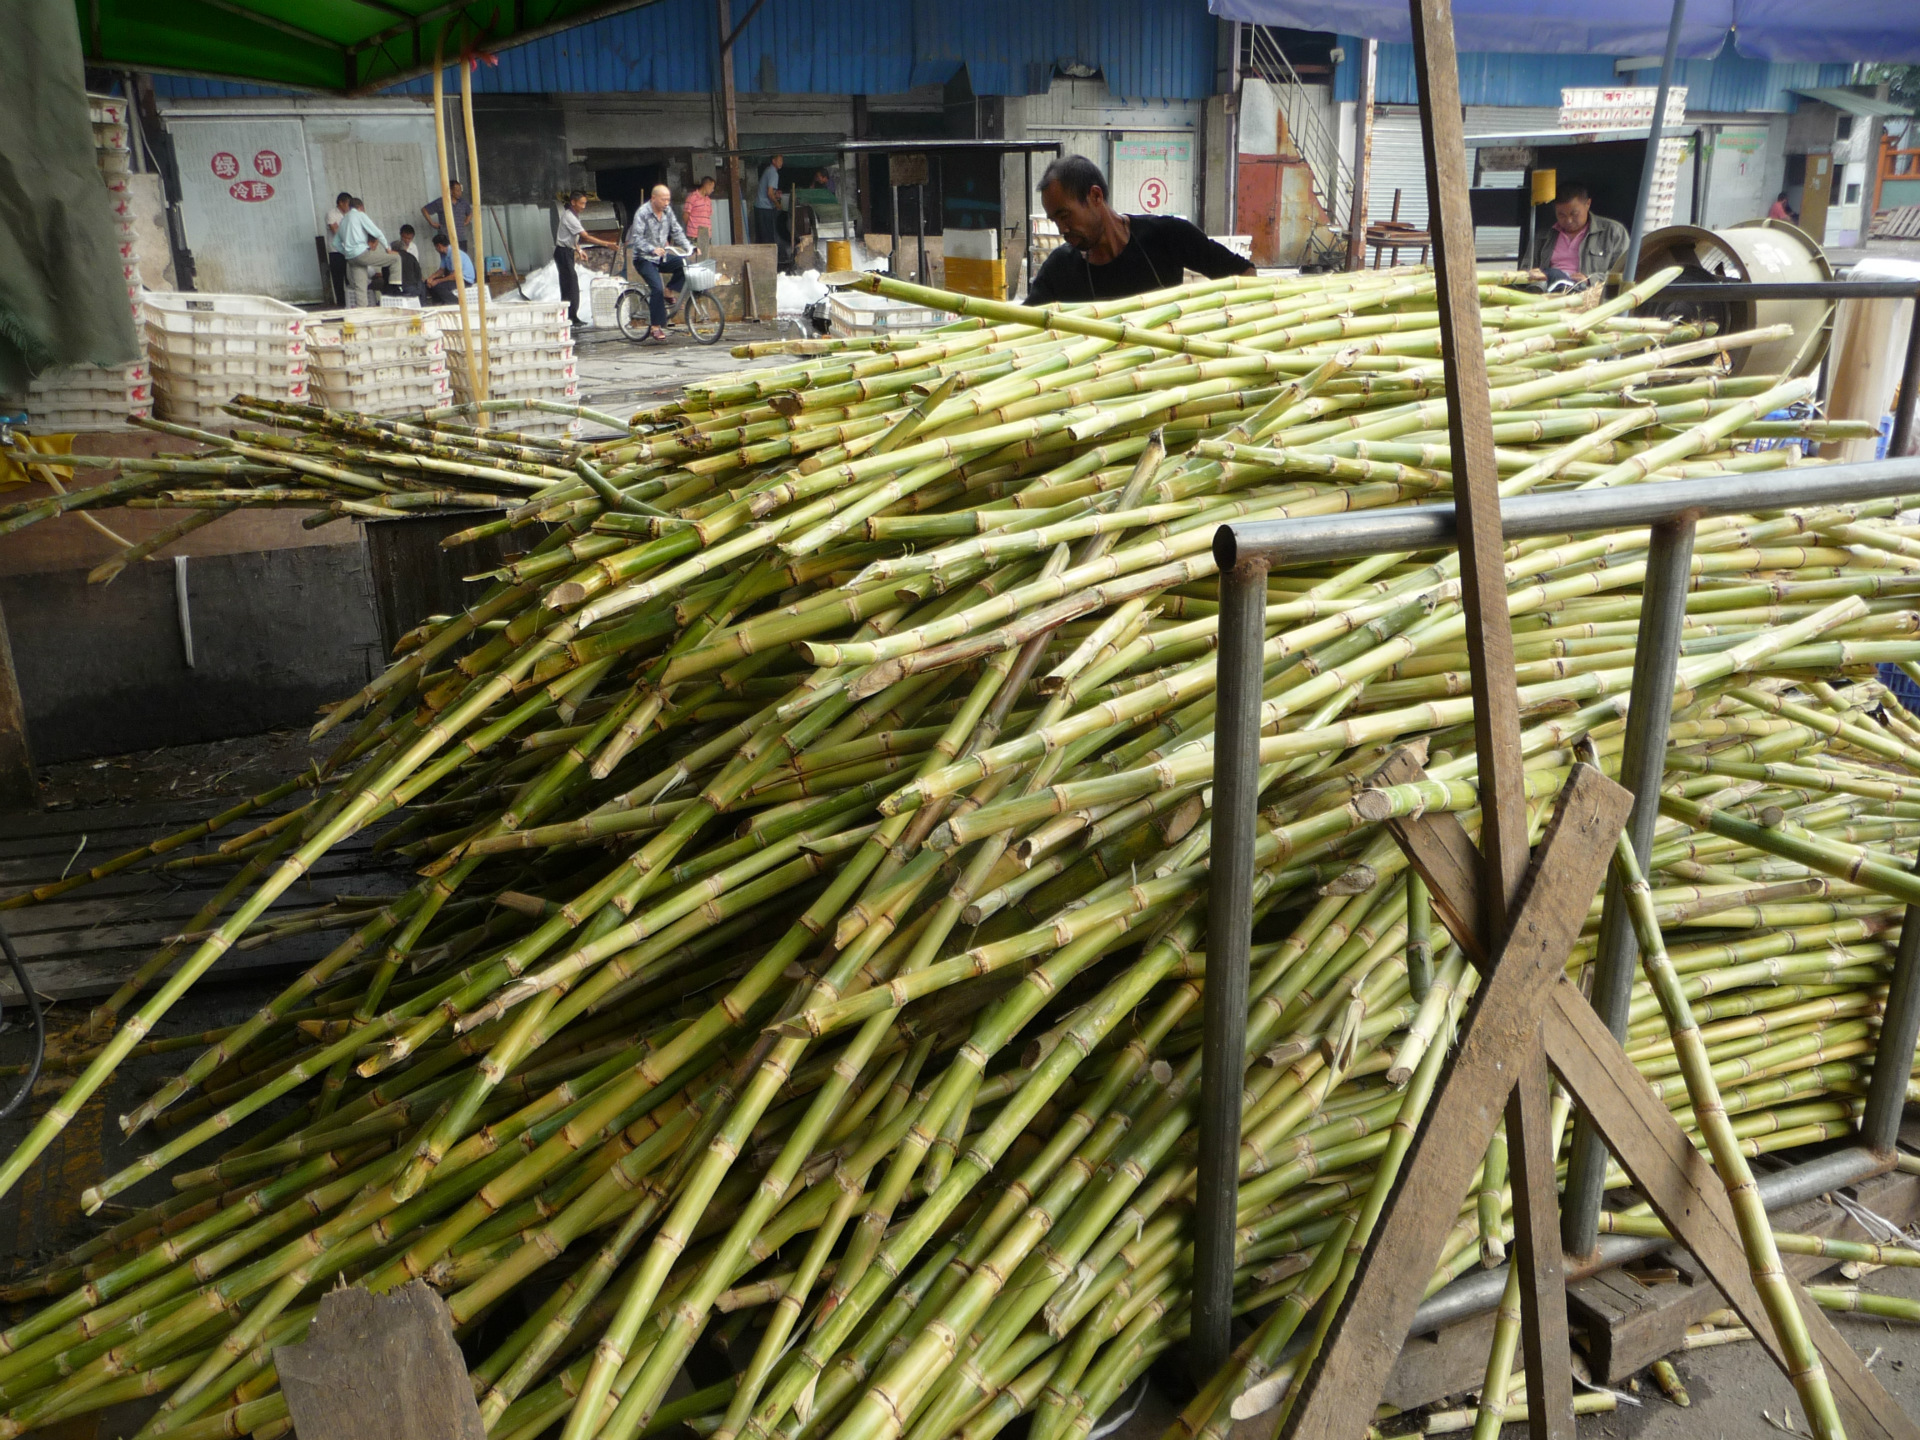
<point>626,187</point>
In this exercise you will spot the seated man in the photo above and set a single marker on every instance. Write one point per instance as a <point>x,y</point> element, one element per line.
<point>1581,247</point>
<point>655,227</point>
<point>440,287</point>
<point>1107,255</point>
<point>409,258</point>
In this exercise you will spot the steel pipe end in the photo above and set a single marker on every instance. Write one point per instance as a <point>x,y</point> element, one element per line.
<point>1226,549</point>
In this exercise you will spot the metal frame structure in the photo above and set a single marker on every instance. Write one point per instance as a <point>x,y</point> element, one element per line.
<point>1026,149</point>
<point>1245,553</point>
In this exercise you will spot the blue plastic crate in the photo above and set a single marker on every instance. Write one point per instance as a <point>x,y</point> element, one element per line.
<point>1901,684</point>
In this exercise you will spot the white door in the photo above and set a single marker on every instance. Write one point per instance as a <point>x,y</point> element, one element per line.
<point>1737,181</point>
<point>248,206</point>
<point>1153,175</point>
<point>386,174</point>
<point>1398,164</point>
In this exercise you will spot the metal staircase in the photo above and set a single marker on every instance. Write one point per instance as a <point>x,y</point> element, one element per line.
<point>1261,56</point>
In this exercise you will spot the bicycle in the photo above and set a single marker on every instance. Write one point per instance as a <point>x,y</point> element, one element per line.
<point>698,310</point>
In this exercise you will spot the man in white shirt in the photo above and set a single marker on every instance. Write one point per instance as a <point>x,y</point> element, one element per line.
<point>365,248</point>
<point>336,261</point>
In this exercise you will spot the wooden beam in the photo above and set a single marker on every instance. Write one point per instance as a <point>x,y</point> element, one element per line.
<point>1368,62</point>
<point>18,789</point>
<point>731,120</point>
<point>1681,1186</point>
<point>1545,1348</point>
<point>1340,1390</point>
<point>1677,1180</point>
<point>1476,479</point>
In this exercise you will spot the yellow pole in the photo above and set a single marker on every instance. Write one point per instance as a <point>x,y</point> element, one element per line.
<point>453,231</point>
<point>479,233</point>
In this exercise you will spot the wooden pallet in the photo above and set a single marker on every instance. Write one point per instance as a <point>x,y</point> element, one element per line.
<point>85,943</point>
<point>1900,223</point>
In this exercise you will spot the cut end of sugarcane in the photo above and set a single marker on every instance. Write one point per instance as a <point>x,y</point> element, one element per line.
<point>91,1200</point>
<point>841,279</point>
<point>566,595</point>
<point>1354,880</point>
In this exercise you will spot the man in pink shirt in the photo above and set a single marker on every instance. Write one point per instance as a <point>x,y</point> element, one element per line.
<point>1582,246</point>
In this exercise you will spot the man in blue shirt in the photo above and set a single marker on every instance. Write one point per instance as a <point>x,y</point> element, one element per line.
<point>766,203</point>
<point>365,247</point>
<point>440,286</point>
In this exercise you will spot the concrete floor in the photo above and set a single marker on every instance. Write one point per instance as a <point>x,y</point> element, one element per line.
<point>617,374</point>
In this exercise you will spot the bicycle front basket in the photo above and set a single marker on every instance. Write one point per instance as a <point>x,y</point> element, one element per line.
<point>702,275</point>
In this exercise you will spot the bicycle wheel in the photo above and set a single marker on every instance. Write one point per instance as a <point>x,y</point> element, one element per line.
<point>706,321</point>
<point>630,310</point>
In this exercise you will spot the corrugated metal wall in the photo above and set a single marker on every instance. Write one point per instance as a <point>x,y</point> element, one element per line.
<point>1730,83</point>
<point>1161,49</point>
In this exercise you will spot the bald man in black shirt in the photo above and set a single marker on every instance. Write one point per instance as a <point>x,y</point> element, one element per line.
<point>1107,255</point>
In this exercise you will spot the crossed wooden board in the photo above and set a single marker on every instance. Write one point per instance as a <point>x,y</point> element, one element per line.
<point>1525,1018</point>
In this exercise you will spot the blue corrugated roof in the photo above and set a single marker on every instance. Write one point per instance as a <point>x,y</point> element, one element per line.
<point>1728,83</point>
<point>1147,49</point>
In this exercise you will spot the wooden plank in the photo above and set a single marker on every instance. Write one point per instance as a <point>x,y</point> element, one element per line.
<point>94,976</point>
<point>1536,1248</point>
<point>1440,850</point>
<point>1684,1191</point>
<point>18,789</point>
<point>378,1366</point>
<point>1476,476</point>
<point>1339,1392</point>
<point>1628,1326</point>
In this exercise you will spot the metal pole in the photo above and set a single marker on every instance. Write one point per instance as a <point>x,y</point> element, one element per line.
<point>920,233</point>
<point>1236,801</point>
<point>1893,1055</point>
<point>1900,442</point>
<point>1362,160</point>
<point>1026,224</point>
<point>893,257</point>
<point>1654,126</point>
<point>1663,613</point>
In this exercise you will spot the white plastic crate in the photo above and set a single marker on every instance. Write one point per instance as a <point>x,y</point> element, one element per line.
<point>227,317</point>
<point>122,380</point>
<point>107,109</point>
<point>220,388</point>
<point>510,378</point>
<point>234,369</point>
<point>332,329</point>
<point>190,409</point>
<point>72,419</point>
<point>372,354</point>
<point>385,399</point>
<point>856,313</point>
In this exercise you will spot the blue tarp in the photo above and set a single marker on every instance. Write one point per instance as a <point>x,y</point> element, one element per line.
<point>1874,30</point>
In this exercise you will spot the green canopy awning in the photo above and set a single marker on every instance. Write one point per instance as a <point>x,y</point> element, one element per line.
<point>340,47</point>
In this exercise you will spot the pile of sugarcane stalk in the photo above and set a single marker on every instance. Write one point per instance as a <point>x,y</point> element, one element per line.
<point>812,836</point>
<point>331,464</point>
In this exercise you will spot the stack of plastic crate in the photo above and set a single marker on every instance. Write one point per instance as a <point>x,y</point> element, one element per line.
<point>1613,107</point>
<point>205,349</point>
<point>110,152</point>
<point>529,356</point>
<point>101,397</point>
<point>376,361</point>
<point>89,397</point>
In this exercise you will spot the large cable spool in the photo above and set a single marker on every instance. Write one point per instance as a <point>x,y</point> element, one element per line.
<point>1759,252</point>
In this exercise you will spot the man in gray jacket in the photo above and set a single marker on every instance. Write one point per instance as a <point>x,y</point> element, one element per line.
<point>1582,247</point>
<point>651,240</point>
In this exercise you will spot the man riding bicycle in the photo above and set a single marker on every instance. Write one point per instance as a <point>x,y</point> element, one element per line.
<point>655,228</point>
